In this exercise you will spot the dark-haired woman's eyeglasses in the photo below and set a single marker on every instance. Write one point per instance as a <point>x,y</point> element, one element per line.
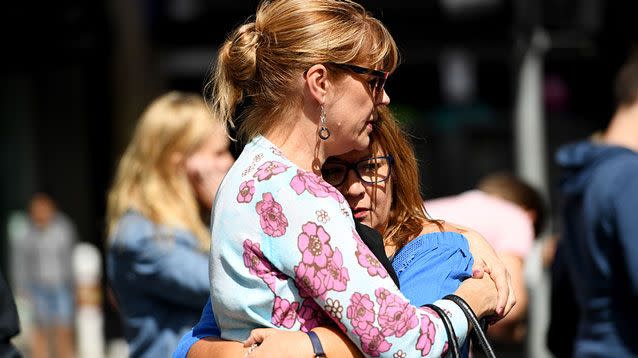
<point>377,83</point>
<point>372,170</point>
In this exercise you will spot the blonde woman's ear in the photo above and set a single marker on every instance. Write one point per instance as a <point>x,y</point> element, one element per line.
<point>316,78</point>
<point>177,159</point>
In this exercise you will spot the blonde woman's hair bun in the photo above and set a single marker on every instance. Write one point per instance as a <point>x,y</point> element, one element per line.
<point>263,60</point>
<point>242,50</point>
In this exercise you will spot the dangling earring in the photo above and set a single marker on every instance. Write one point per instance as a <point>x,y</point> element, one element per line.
<point>324,133</point>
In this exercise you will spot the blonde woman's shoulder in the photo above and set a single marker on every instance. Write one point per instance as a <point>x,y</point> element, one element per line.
<point>132,228</point>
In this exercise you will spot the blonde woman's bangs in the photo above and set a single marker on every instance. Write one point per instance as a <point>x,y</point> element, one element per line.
<point>383,50</point>
<point>374,47</point>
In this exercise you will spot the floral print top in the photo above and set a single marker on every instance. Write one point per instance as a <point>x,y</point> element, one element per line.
<point>285,254</point>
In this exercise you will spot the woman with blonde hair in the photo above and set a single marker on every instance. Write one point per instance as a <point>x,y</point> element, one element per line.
<point>284,240</point>
<point>157,240</point>
<point>381,185</point>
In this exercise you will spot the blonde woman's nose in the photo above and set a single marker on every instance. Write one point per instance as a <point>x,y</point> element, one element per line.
<point>385,99</point>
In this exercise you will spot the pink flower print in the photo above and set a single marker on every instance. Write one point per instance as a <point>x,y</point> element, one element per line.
<point>310,315</point>
<point>428,333</point>
<point>284,314</point>
<point>334,275</point>
<point>271,277</point>
<point>396,316</point>
<point>367,259</point>
<point>259,266</point>
<point>268,169</point>
<point>315,185</point>
<point>254,259</point>
<point>360,312</point>
<point>373,342</point>
<point>428,309</point>
<point>313,244</point>
<point>246,191</point>
<point>271,216</point>
<point>303,293</point>
<point>309,281</point>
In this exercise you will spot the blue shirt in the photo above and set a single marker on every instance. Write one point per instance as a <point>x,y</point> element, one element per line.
<point>429,267</point>
<point>160,280</point>
<point>599,245</point>
<point>433,265</point>
<point>284,240</point>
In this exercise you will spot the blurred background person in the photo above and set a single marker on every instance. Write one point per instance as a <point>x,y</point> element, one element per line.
<point>510,214</point>
<point>596,255</point>
<point>47,277</point>
<point>158,207</point>
<point>110,59</point>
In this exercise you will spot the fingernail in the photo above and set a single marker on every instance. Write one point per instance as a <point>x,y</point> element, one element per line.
<point>476,272</point>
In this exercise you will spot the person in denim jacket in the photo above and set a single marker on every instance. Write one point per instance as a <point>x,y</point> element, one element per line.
<point>157,238</point>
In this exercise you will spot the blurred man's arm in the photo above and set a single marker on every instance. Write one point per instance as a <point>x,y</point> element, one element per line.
<point>625,204</point>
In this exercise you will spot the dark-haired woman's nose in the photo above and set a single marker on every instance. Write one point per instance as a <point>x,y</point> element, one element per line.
<point>352,187</point>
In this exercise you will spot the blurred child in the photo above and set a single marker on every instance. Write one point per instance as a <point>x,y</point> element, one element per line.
<point>46,252</point>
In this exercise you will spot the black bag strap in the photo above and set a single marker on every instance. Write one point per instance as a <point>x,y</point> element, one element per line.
<point>453,344</point>
<point>479,329</point>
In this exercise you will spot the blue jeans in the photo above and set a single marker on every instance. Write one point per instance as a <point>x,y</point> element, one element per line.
<point>52,305</point>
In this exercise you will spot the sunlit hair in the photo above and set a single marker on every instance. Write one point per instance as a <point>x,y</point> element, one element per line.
<point>147,178</point>
<point>261,62</point>
<point>514,189</point>
<point>407,214</point>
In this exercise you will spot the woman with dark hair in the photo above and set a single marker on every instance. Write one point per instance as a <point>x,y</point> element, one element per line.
<point>284,240</point>
<point>381,186</point>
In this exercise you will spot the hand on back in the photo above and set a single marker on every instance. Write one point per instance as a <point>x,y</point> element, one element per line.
<point>498,287</point>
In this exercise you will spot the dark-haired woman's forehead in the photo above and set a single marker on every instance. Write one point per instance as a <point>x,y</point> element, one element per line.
<point>355,156</point>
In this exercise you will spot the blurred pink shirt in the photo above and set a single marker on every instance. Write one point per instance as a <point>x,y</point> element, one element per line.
<point>504,225</point>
